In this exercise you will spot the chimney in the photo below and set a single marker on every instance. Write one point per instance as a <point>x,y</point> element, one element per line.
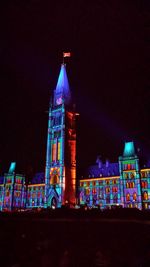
<point>99,162</point>
<point>107,163</point>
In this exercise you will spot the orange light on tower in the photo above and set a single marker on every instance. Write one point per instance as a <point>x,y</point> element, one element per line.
<point>66,54</point>
<point>58,151</point>
<point>54,152</point>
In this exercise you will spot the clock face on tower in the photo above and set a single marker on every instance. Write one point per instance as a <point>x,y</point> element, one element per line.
<point>59,101</point>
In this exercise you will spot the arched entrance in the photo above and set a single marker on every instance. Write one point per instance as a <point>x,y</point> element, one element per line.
<point>53,199</point>
<point>54,203</point>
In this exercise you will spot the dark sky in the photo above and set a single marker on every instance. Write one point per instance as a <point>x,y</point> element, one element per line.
<point>108,75</point>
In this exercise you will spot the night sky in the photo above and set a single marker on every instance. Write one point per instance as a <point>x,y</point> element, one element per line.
<point>108,75</point>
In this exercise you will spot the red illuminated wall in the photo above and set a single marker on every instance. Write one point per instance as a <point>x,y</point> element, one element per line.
<point>70,158</point>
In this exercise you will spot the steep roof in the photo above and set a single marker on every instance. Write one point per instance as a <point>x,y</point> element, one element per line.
<point>105,170</point>
<point>38,178</point>
<point>62,87</point>
<point>129,149</point>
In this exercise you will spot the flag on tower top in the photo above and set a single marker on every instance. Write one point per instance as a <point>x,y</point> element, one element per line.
<point>66,54</point>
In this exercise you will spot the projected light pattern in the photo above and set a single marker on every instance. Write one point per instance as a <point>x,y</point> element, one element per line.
<point>105,185</point>
<point>62,89</point>
<point>122,183</point>
<point>35,196</point>
<point>117,184</point>
<point>129,150</point>
<point>60,173</point>
<point>12,192</point>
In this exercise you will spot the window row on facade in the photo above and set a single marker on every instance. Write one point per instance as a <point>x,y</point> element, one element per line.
<point>98,183</point>
<point>97,200</point>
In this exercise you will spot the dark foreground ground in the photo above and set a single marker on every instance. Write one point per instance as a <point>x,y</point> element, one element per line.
<point>74,239</point>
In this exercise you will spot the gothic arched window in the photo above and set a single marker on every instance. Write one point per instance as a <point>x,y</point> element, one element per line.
<point>145,195</point>
<point>127,197</point>
<point>87,191</point>
<point>134,196</point>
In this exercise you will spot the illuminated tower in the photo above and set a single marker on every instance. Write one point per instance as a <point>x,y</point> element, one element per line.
<point>60,174</point>
<point>130,177</point>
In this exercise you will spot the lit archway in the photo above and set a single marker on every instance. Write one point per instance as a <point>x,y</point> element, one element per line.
<point>134,196</point>
<point>54,179</point>
<point>127,197</point>
<point>145,195</point>
<point>53,203</point>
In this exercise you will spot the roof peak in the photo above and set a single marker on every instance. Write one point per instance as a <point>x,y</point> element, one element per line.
<point>129,149</point>
<point>62,90</point>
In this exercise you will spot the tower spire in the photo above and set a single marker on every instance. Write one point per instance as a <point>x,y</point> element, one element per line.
<point>60,171</point>
<point>62,91</point>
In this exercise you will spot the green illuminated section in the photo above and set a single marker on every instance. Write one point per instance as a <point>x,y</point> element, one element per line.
<point>129,162</point>
<point>129,150</point>
<point>12,167</point>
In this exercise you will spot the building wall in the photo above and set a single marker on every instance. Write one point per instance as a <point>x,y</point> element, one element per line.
<point>55,167</point>
<point>145,187</point>
<point>14,195</point>
<point>130,189</point>
<point>105,192</point>
<point>1,196</point>
<point>13,192</point>
<point>101,192</point>
<point>35,196</point>
<point>131,182</point>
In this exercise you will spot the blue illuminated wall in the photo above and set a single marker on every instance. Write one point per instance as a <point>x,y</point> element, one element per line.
<point>101,188</point>
<point>15,195</point>
<point>105,185</point>
<point>36,192</point>
<point>12,192</point>
<point>1,192</point>
<point>145,187</point>
<point>60,172</point>
<point>117,184</point>
<point>130,177</point>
